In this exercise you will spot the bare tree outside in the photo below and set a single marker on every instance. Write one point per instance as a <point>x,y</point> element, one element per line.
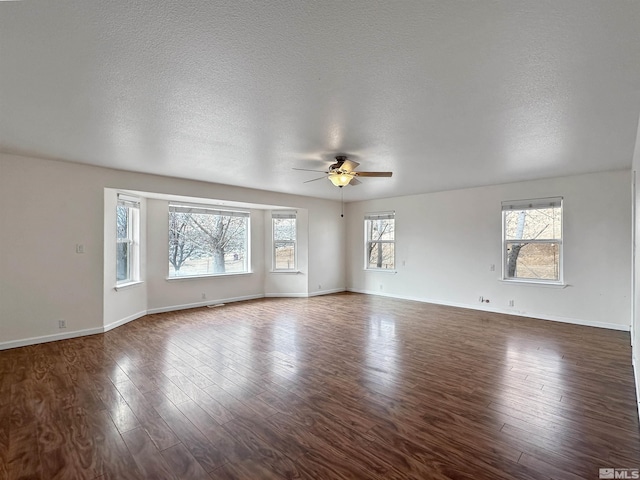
<point>284,241</point>
<point>514,251</point>
<point>532,241</point>
<point>207,243</point>
<point>380,233</point>
<point>127,240</point>
<point>182,241</point>
<point>220,234</point>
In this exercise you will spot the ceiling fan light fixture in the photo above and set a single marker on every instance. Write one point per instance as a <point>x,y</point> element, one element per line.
<point>342,172</point>
<point>340,179</point>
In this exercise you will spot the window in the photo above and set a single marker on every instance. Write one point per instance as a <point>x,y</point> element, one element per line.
<point>284,240</point>
<point>532,240</point>
<point>379,233</point>
<point>128,240</point>
<point>206,241</point>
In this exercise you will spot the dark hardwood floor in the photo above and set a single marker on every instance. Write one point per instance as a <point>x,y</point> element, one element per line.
<point>340,386</point>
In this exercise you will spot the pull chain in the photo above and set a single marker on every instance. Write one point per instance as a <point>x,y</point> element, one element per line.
<point>341,202</point>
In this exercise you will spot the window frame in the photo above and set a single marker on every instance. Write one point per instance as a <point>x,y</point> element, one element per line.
<point>132,239</point>
<point>367,241</point>
<point>294,242</point>
<point>533,204</point>
<point>215,210</point>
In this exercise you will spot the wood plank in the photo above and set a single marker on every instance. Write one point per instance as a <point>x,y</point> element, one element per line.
<point>159,433</point>
<point>182,463</point>
<point>146,455</point>
<point>110,454</point>
<point>208,455</point>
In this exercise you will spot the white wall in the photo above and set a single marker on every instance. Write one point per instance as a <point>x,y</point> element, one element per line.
<point>47,207</point>
<point>635,330</point>
<point>446,243</point>
<point>327,270</point>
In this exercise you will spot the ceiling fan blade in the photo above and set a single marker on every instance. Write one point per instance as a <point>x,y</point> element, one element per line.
<point>307,170</point>
<point>355,181</point>
<point>315,179</point>
<point>349,165</point>
<point>373,174</point>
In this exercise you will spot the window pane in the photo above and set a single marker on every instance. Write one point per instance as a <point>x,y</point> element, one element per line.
<point>381,255</point>
<point>122,261</point>
<point>284,228</point>
<point>285,256</point>
<point>538,224</point>
<point>122,222</point>
<point>127,241</point>
<point>533,261</point>
<point>207,244</point>
<point>380,229</point>
<point>380,243</point>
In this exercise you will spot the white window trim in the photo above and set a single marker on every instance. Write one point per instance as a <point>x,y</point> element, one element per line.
<point>389,215</point>
<point>124,286</point>
<point>284,214</point>
<point>208,275</point>
<point>534,283</point>
<point>533,204</point>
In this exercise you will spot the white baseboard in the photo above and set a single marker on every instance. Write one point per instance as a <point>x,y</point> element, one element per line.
<point>206,303</point>
<point>327,292</point>
<point>122,321</point>
<point>637,380</point>
<point>554,318</point>
<point>304,295</point>
<point>92,331</point>
<point>49,338</point>
<point>285,295</point>
<point>71,334</point>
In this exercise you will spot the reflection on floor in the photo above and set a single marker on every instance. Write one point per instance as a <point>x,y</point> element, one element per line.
<point>340,386</point>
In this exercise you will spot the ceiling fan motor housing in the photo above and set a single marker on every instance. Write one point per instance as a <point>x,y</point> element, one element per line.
<point>340,159</point>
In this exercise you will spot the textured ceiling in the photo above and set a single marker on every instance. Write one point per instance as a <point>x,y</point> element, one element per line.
<point>447,94</point>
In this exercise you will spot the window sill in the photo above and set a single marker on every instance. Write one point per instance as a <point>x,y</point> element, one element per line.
<point>195,277</point>
<point>533,283</point>
<point>380,270</point>
<point>124,286</point>
<point>290,272</point>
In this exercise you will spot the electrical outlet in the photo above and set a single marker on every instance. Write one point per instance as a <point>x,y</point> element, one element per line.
<point>380,286</point>
<point>492,268</point>
<point>511,303</point>
<point>481,299</point>
<point>204,296</point>
<point>319,287</point>
<point>62,324</point>
<point>79,248</point>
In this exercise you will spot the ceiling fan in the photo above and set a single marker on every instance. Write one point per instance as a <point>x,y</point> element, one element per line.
<point>342,172</point>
